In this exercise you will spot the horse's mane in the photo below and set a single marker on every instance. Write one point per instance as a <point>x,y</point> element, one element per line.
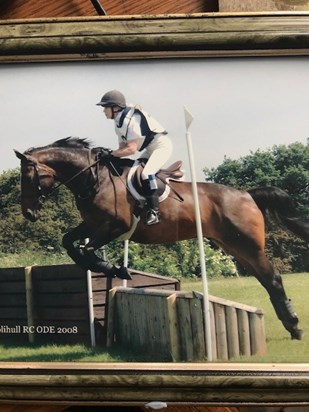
<point>68,142</point>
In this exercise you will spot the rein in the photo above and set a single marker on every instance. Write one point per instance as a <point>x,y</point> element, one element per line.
<point>55,188</point>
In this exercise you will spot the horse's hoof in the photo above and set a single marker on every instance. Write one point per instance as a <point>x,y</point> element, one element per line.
<point>297,334</point>
<point>123,273</point>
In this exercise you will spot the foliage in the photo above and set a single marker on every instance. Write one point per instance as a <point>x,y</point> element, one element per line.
<point>179,259</point>
<point>286,167</point>
<point>17,234</point>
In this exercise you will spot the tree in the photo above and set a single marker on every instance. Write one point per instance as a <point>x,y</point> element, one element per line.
<point>17,234</point>
<point>286,167</point>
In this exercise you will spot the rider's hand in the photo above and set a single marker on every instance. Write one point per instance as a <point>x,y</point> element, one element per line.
<point>104,155</point>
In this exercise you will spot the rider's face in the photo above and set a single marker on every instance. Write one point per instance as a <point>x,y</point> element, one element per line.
<point>108,112</point>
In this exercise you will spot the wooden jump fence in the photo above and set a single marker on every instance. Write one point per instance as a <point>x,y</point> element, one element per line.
<point>49,304</point>
<point>169,325</point>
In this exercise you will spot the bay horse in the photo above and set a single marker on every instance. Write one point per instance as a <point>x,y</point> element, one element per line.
<point>231,218</point>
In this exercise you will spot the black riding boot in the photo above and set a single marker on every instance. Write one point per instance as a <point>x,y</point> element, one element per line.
<point>152,200</point>
<point>153,212</point>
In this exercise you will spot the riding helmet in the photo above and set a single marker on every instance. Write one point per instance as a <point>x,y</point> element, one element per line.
<point>113,98</point>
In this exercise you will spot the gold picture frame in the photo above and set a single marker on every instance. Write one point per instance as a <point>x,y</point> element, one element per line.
<point>154,37</point>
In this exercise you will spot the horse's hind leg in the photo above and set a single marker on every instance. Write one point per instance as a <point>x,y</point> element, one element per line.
<point>249,252</point>
<point>283,307</point>
<point>272,282</point>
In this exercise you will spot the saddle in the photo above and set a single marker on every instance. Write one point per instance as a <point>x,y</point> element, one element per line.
<point>134,179</point>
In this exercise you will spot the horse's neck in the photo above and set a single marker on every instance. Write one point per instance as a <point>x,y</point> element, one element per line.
<point>64,163</point>
<point>67,165</point>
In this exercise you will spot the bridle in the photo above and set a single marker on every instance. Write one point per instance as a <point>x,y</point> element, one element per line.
<point>44,196</point>
<point>41,196</point>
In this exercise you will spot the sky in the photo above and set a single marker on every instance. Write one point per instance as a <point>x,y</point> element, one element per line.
<point>238,105</point>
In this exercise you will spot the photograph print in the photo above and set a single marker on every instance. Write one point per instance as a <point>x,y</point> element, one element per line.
<point>155,211</point>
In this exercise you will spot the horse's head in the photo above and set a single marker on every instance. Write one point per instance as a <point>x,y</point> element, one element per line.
<point>36,182</point>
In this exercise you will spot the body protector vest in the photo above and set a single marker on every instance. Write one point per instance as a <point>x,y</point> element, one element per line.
<point>149,126</point>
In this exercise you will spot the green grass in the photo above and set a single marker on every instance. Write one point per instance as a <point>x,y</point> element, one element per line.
<point>247,290</point>
<point>61,353</point>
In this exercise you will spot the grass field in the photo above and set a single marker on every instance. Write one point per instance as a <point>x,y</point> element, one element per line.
<point>280,348</point>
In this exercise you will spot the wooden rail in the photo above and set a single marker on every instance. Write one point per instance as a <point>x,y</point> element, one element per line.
<point>169,325</point>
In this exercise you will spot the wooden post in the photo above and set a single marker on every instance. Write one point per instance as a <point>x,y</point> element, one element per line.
<point>232,331</point>
<point>173,327</point>
<point>186,343</point>
<point>200,296</point>
<point>244,333</point>
<point>110,320</point>
<point>29,302</point>
<point>109,285</point>
<point>257,332</point>
<point>222,351</point>
<point>213,328</point>
<point>198,334</point>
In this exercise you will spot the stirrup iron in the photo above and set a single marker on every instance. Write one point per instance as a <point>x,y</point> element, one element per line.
<point>152,217</point>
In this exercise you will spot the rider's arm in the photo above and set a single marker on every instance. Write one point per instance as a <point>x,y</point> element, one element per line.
<point>127,148</point>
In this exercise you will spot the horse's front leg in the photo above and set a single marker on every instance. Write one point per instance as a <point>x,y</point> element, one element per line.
<point>99,239</point>
<point>85,257</point>
<point>68,242</point>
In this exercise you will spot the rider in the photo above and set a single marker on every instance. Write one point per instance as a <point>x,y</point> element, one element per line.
<point>138,131</point>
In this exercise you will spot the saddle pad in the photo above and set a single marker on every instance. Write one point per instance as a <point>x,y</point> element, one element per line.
<point>138,196</point>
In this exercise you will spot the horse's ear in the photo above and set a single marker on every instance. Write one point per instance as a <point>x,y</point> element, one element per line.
<point>20,155</point>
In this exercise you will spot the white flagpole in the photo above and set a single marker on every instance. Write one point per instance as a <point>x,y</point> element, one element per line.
<point>90,305</point>
<point>188,121</point>
<point>125,260</point>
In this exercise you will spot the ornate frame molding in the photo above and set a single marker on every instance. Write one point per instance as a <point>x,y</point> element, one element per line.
<point>139,383</point>
<point>146,37</point>
<point>153,37</point>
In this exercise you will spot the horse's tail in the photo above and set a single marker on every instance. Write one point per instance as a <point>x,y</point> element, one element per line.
<point>282,207</point>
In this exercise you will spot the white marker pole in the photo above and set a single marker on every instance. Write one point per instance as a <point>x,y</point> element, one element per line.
<point>188,121</point>
<point>125,260</point>
<point>90,305</point>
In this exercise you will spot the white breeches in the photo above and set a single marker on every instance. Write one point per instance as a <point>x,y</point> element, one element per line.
<point>158,152</point>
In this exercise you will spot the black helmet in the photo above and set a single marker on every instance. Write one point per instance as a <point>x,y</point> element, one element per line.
<point>113,98</point>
